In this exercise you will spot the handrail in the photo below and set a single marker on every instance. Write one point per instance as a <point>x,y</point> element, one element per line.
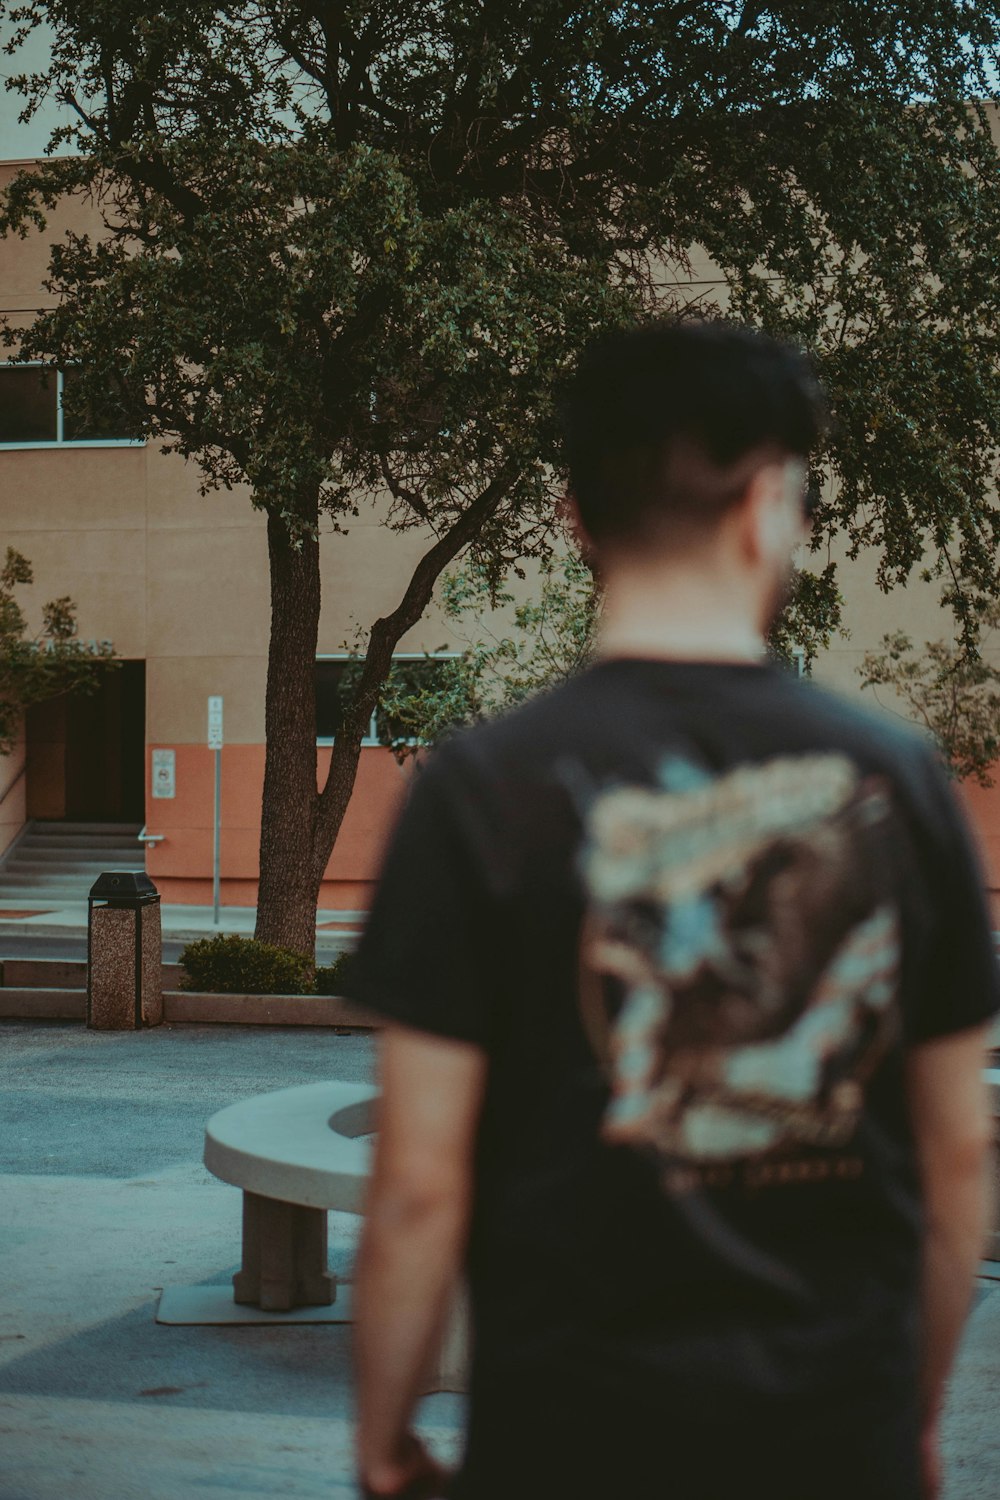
<point>13,784</point>
<point>150,838</point>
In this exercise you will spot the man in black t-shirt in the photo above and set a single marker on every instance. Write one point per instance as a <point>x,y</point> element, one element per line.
<point>686,974</point>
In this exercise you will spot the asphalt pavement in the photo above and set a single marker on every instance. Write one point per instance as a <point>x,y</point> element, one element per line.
<point>60,931</point>
<point>71,949</point>
<point>104,1202</point>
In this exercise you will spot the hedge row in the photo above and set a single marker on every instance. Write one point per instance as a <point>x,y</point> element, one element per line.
<point>233,965</point>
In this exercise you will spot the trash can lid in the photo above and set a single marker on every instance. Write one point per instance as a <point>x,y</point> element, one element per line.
<point>123,885</point>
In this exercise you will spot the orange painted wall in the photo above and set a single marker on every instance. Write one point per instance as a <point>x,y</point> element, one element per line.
<point>181,865</point>
<point>983,807</point>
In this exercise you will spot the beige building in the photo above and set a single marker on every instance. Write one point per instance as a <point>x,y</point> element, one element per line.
<point>179,584</point>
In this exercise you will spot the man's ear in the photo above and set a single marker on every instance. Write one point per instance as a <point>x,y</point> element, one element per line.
<point>772,510</point>
<point>569,514</point>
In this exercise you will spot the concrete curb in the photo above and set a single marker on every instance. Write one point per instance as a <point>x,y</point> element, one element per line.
<point>181,1008</point>
<point>325,940</point>
<point>64,974</point>
<point>194,1009</point>
<point>43,1005</point>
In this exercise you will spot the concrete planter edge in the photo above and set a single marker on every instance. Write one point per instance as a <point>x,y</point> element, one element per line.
<point>192,1008</point>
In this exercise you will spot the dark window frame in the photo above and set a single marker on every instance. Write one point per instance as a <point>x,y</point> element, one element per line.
<point>60,440</point>
<point>371,740</point>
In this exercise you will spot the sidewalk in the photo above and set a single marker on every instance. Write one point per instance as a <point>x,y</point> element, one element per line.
<point>181,923</point>
<point>106,1202</point>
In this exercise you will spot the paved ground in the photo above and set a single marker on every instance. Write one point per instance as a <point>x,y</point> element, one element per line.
<point>60,931</point>
<point>71,948</point>
<point>180,923</point>
<point>103,1201</point>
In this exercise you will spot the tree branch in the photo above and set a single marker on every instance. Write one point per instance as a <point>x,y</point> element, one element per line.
<point>385,636</point>
<point>401,492</point>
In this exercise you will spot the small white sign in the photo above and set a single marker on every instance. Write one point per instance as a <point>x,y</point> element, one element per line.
<point>164,773</point>
<point>215,723</point>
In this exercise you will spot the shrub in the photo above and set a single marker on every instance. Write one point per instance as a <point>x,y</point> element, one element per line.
<point>232,965</point>
<point>331,978</point>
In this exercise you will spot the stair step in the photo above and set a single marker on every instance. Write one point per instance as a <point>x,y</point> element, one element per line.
<point>48,870</point>
<point>78,842</point>
<point>46,851</point>
<point>39,897</point>
<point>73,830</point>
<point>60,882</point>
<point>59,862</point>
<point>72,868</point>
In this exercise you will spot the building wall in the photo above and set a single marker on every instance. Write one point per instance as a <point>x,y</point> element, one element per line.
<point>869,613</point>
<point>180,581</point>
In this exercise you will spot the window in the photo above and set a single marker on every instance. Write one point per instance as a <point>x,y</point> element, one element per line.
<point>28,405</point>
<point>335,676</point>
<point>33,414</point>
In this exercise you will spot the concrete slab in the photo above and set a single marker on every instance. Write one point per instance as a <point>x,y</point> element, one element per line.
<point>195,1008</point>
<point>213,1306</point>
<point>337,929</point>
<point>971,1432</point>
<point>105,1203</point>
<point>42,1005</point>
<point>191,1008</point>
<point>161,1449</point>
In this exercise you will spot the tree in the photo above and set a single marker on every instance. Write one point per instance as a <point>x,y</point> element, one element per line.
<point>952,691</point>
<point>549,639</point>
<point>350,250</point>
<point>34,668</point>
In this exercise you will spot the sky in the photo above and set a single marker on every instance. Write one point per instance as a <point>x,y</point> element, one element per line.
<point>18,141</point>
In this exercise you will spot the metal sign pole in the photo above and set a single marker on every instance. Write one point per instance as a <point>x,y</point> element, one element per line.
<point>217,838</point>
<point>215,743</point>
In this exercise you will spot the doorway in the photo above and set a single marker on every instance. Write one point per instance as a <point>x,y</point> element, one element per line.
<point>86,752</point>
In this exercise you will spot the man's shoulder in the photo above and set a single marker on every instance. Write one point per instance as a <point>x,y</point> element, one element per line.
<point>579,718</point>
<point>519,736</point>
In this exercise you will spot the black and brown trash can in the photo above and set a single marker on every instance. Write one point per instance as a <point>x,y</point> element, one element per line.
<point>124,953</point>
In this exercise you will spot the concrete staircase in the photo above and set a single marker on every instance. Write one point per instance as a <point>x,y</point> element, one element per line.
<point>53,863</point>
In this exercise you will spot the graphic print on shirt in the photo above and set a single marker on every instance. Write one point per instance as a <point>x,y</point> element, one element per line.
<point>740,956</point>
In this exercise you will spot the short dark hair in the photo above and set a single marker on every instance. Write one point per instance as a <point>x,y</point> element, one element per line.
<point>664,424</point>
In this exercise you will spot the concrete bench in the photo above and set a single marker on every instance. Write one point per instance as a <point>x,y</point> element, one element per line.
<point>296,1154</point>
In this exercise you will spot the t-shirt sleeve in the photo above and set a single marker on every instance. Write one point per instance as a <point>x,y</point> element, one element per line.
<point>957,985</point>
<point>423,959</point>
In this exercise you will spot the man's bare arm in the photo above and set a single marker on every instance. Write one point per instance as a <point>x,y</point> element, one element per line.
<point>953,1129</point>
<point>413,1239</point>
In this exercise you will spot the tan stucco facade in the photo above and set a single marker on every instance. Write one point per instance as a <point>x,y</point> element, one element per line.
<point>179,582</point>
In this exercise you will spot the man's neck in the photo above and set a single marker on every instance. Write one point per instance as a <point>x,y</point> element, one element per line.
<point>678,616</point>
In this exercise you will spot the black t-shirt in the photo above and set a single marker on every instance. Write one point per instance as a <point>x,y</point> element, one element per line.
<point>694,913</point>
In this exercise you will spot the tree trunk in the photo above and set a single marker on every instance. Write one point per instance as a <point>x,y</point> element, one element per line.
<point>289,885</point>
<point>299,827</point>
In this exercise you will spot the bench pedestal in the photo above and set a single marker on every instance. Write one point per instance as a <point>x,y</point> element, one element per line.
<point>284,1256</point>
